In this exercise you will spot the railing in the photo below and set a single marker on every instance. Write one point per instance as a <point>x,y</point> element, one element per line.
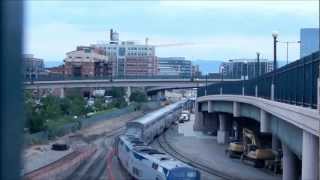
<point>295,83</point>
<point>64,78</point>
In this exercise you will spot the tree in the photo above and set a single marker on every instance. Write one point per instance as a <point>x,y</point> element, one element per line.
<point>118,102</point>
<point>99,103</point>
<point>36,123</point>
<point>51,107</point>
<point>138,96</point>
<point>77,105</point>
<point>116,92</point>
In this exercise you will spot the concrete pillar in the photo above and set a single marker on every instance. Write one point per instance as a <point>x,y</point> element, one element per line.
<point>222,132</point>
<point>221,90</point>
<point>210,108</point>
<point>290,166</point>
<point>272,92</point>
<point>310,156</point>
<point>256,91</point>
<point>236,109</point>
<point>62,94</point>
<point>128,94</point>
<point>318,100</point>
<point>265,122</point>
<point>197,126</point>
<point>275,142</point>
<point>242,91</point>
<point>318,95</point>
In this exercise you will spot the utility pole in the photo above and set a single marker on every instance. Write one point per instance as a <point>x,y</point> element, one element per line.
<point>258,65</point>
<point>287,47</point>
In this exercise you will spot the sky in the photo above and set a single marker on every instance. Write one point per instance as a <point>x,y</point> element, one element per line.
<point>212,30</point>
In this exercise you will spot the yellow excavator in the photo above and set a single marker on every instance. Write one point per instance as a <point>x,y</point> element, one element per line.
<point>255,148</point>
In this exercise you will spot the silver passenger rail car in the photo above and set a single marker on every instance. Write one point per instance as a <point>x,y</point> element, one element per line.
<point>144,163</point>
<point>153,124</point>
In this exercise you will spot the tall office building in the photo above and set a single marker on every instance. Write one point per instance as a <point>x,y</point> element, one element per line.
<point>245,68</point>
<point>129,58</point>
<point>177,66</point>
<point>309,38</point>
<point>32,67</point>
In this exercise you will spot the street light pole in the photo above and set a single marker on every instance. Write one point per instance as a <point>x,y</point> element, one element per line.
<point>275,36</point>
<point>205,93</point>
<point>287,43</point>
<point>258,64</point>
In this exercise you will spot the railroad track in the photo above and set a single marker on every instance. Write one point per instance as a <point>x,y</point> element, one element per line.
<point>96,166</point>
<point>165,146</point>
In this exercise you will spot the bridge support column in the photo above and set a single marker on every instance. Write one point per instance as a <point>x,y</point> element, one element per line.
<point>275,142</point>
<point>272,92</point>
<point>128,94</point>
<point>310,156</point>
<point>256,91</point>
<point>242,91</point>
<point>236,109</point>
<point>221,90</point>
<point>265,125</point>
<point>222,132</point>
<point>290,165</point>
<point>197,126</point>
<point>62,94</point>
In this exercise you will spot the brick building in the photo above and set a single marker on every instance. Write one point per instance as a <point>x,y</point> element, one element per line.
<point>87,62</point>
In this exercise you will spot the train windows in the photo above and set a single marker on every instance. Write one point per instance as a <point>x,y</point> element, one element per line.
<point>136,171</point>
<point>155,166</point>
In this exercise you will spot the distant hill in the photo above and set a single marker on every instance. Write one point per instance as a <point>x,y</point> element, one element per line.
<point>208,66</point>
<point>49,64</point>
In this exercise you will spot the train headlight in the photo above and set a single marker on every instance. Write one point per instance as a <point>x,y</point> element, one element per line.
<point>191,174</point>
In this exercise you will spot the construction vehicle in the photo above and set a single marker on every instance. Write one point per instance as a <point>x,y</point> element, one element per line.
<point>256,149</point>
<point>235,149</point>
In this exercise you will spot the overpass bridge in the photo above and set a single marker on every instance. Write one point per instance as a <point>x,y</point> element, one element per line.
<point>159,82</point>
<point>284,103</point>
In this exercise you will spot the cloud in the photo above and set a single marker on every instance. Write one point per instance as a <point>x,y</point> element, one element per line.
<point>216,30</point>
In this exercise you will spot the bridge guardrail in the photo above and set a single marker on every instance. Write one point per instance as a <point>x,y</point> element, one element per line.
<point>295,83</point>
<point>63,77</point>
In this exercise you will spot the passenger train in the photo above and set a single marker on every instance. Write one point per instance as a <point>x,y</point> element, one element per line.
<point>144,162</point>
<point>153,124</point>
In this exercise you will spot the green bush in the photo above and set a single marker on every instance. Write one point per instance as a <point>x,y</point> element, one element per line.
<point>138,96</point>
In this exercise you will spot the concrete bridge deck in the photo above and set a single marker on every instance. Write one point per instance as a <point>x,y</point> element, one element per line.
<point>295,127</point>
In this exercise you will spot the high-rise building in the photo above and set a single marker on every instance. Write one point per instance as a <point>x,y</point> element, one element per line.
<point>309,41</point>
<point>32,67</point>
<point>86,61</point>
<point>177,66</point>
<point>245,68</point>
<point>195,72</point>
<point>129,58</point>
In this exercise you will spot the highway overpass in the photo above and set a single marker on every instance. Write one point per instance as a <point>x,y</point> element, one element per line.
<point>99,83</point>
<point>285,103</point>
